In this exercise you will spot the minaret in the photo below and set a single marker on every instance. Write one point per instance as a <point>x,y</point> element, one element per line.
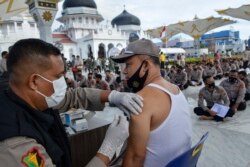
<point>44,14</point>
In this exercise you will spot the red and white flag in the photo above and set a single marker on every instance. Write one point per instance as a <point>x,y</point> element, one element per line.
<point>163,32</point>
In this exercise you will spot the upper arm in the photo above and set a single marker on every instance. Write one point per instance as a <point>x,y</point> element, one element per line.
<point>22,151</point>
<point>201,97</point>
<point>139,130</point>
<point>242,85</point>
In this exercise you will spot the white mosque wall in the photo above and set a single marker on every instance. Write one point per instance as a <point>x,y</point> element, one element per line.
<point>69,49</point>
<point>16,28</point>
<point>131,28</point>
<point>107,37</point>
<point>83,47</point>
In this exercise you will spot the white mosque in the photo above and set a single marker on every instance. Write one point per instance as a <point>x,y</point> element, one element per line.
<point>82,31</point>
<point>83,34</point>
<point>16,28</point>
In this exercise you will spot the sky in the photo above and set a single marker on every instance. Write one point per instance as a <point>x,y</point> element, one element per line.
<point>156,13</point>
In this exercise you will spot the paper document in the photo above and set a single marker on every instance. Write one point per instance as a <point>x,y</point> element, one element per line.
<point>221,110</point>
<point>194,83</point>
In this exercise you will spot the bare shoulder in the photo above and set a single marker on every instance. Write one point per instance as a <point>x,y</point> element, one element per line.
<point>154,99</point>
<point>242,84</point>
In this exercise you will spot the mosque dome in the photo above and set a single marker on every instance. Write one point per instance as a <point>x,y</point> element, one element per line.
<point>79,3</point>
<point>126,18</point>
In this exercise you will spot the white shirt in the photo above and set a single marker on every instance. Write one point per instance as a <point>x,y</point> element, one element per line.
<point>246,55</point>
<point>3,66</point>
<point>78,62</point>
<point>173,136</point>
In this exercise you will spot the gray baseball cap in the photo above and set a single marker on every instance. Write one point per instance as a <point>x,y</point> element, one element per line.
<point>139,47</point>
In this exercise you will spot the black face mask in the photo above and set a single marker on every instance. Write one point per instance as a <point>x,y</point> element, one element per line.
<point>135,82</point>
<point>212,85</point>
<point>118,79</point>
<point>232,79</point>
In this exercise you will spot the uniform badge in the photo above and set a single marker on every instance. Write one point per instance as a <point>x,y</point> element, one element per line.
<point>135,84</point>
<point>33,158</point>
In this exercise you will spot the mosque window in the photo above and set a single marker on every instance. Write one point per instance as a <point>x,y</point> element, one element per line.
<point>11,27</point>
<point>19,26</point>
<point>92,21</point>
<point>73,19</point>
<point>80,20</point>
<point>32,25</point>
<point>71,52</point>
<point>87,20</point>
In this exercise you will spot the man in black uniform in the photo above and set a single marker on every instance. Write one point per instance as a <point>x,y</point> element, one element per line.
<point>31,130</point>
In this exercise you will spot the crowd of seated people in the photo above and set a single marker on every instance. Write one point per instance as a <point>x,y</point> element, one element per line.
<point>234,84</point>
<point>230,72</point>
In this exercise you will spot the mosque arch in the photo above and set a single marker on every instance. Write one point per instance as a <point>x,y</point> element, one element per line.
<point>101,51</point>
<point>90,52</point>
<point>119,46</point>
<point>110,46</point>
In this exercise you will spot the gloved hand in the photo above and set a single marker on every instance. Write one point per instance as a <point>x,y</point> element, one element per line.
<point>127,102</point>
<point>115,136</point>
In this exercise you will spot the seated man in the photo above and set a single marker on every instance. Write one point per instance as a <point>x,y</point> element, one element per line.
<point>243,76</point>
<point>219,74</point>
<point>100,83</point>
<point>195,78</point>
<point>211,94</point>
<point>163,130</point>
<point>90,81</point>
<point>225,67</point>
<point>236,90</point>
<point>209,70</point>
<point>180,78</point>
<point>81,79</point>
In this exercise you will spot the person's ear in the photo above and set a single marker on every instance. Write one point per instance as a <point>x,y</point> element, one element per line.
<point>33,81</point>
<point>146,65</point>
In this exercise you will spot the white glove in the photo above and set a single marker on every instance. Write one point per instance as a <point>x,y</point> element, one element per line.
<point>115,136</point>
<point>127,102</point>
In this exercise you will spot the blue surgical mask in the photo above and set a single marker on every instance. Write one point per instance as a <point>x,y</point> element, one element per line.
<point>59,87</point>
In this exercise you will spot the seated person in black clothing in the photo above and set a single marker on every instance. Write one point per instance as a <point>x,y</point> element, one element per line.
<point>243,76</point>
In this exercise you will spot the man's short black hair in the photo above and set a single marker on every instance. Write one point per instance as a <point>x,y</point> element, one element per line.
<point>4,53</point>
<point>31,51</point>
<point>155,60</point>
<point>98,76</point>
<point>243,73</point>
<point>205,78</point>
<point>233,71</point>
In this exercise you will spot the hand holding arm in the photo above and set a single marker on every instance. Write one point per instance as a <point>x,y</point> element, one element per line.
<point>127,102</point>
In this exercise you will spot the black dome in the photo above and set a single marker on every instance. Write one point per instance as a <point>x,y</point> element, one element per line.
<point>79,3</point>
<point>126,18</point>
